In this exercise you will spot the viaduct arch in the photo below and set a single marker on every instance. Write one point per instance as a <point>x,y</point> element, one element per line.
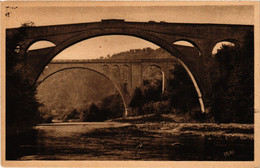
<point>204,69</point>
<point>163,72</point>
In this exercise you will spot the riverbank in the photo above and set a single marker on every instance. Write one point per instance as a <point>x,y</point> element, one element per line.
<point>156,118</point>
<point>177,125</point>
<point>207,130</point>
<point>213,141</point>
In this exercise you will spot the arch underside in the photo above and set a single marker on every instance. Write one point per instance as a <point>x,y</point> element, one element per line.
<point>75,38</point>
<point>43,44</point>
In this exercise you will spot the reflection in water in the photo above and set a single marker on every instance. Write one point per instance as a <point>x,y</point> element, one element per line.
<point>122,141</point>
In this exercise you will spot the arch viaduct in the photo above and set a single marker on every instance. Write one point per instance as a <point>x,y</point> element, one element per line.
<point>125,74</point>
<point>203,69</point>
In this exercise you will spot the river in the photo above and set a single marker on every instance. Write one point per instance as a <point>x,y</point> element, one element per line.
<point>124,141</point>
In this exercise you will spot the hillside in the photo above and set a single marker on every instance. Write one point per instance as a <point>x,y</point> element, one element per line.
<point>73,89</point>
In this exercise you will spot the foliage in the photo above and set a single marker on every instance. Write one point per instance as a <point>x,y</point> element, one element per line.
<point>94,114</point>
<point>234,98</point>
<point>109,108</point>
<point>159,107</point>
<point>45,114</point>
<point>182,94</point>
<point>112,106</point>
<point>138,99</point>
<point>70,114</point>
<point>150,99</point>
<point>21,104</point>
<point>152,90</point>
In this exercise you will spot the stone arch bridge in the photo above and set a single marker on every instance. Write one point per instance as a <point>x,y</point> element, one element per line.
<point>203,69</point>
<point>125,74</point>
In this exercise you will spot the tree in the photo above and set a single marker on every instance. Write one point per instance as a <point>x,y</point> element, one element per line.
<point>93,114</point>
<point>138,100</point>
<point>21,103</point>
<point>150,99</point>
<point>112,107</point>
<point>234,98</point>
<point>182,93</point>
<point>152,90</point>
<point>84,114</point>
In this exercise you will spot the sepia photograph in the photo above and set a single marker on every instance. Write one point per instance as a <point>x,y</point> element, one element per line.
<point>129,83</point>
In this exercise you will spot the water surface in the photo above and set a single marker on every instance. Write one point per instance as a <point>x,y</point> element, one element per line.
<point>124,141</point>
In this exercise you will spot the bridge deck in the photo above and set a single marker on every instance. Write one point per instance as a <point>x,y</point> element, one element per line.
<point>68,61</point>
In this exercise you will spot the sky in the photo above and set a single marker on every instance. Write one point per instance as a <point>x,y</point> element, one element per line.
<point>102,46</point>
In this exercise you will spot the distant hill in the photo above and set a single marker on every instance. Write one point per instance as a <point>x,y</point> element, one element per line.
<point>148,53</point>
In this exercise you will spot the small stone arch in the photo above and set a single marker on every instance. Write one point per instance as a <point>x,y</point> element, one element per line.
<point>125,73</point>
<point>219,43</point>
<point>106,68</point>
<point>163,74</point>
<point>116,71</point>
<point>42,43</point>
<point>188,43</point>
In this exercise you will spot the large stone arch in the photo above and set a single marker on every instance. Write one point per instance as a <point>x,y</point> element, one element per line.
<point>125,98</point>
<point>142,34</point>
